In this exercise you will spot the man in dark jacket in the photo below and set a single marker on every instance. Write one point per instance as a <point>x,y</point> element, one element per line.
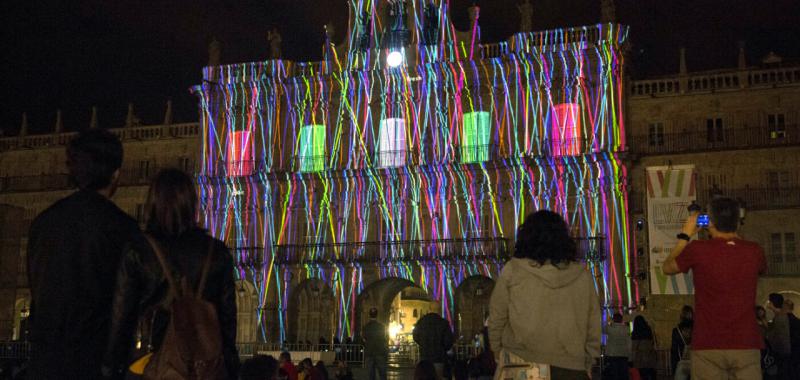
<point>376,346</point>
<point>434,337</point>
<point>74,248</point>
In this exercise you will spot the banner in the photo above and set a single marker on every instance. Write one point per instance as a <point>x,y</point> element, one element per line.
<point>670,190</point>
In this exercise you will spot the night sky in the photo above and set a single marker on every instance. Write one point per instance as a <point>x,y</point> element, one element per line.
<point>71,55</point>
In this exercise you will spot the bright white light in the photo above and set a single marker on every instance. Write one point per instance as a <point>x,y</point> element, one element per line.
<point>394,59</point>
<point>394,329</point>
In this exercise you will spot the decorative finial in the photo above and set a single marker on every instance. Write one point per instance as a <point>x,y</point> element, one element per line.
<point>275,40</point>
<point>168,113</point>
<point>59,124</point>
<point>525,16</point>
<point>93,120</point>
<point>214,52</point>
<point>23,128</point>
<point>742,56</point>
<point>608,13</point>
<point>131,119</point>
<point>683,61</point>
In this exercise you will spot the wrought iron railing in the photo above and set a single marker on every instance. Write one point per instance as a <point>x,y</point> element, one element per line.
<point>14,350</point>
<point>756,198</point>
<point>393,251</point>
<point>44,182</point>
<point>731,138</point>
<point>395,158</point>
<point>783,265</point>
<point>309,164</point>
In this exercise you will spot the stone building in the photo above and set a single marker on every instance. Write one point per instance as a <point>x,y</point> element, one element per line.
<point>33,176</point>
<point>740,130</point>
<point>407,158</point>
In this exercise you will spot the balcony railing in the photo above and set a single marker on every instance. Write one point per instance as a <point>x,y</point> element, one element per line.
<point>395,158</point>
<point>387,251</point>
<point>14,350</point>
<point>732,138</point>
<point>469,154</point>
<point>757,198</point>
<point>309,164</point>
<point>44,182</point>
<point>147,132</point>
<point>785,266</point>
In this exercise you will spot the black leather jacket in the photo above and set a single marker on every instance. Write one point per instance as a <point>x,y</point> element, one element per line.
<point>142,288</point>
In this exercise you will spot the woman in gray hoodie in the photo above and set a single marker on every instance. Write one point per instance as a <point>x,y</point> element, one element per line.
<point>544,312</point>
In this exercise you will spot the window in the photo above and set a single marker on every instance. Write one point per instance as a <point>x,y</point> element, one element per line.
<point>475,137</point>
<point>655,134</point>
<point>565,134</point>
<point>240,154</point>
<point>783,247</point>
<point>312,148</point>
<point>144,169</point>
<point>777,126</point>
<point>714,130</point>
<point>392,143</point>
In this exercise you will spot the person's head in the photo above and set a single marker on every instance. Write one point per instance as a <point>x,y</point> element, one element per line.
<point>285,357</point>
<point>760,312</point>
<point>687,313</point>
<point>544,237</point>
<point>307,364</point>
<point>171,203</point>
<point>641,330</point>
<point>373,313</point>
<point>776,300</point>
<point>259,367</point>
<point>724,215</point>
<point>93,160</point>
<point>617,318</point>
<point>425,371</point>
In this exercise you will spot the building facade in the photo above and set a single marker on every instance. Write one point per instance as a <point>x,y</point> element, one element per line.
<point>738,129</point>
<point>407,158</point>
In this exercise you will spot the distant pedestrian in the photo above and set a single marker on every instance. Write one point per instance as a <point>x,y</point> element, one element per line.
<point>376,346</point>
<point>285,361</point>
<point>544,309</point>
<point>643,350</point>
<point>434,337</point>
<point>259,367</point>
<point>677,348</point>
<point>779,336</point>
<point>147,281</point>
<point>74,249</point>
<point>725,269</point>
<point>618,349</point>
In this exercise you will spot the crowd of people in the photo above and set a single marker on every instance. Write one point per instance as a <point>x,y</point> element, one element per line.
<point>97,280</point>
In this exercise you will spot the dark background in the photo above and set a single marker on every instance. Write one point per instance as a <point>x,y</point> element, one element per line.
<point>71,55</point>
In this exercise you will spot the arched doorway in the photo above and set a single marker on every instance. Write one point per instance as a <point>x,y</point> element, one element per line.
<point>246,312</point>
<point>311,314</point>
<point>472,305</point>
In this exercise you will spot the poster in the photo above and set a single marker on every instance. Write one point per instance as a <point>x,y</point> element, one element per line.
<point>670,190</point>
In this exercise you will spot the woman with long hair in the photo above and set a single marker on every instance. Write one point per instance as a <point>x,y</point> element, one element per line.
<point>142,292</point>
<point>544,311</point>
<point>643,350</point>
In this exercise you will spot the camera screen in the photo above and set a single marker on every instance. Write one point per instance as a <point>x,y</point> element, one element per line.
<point>702,220</point>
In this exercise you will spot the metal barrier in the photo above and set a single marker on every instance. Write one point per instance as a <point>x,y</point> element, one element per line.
<point>350,353</point>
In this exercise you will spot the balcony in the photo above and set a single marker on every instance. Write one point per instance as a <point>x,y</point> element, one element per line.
<point>699,141</point>
<point>471,154</point>
<point>448,250</point>
<point>309,164</point>
<point>44,182</point>
<point>779,266</point>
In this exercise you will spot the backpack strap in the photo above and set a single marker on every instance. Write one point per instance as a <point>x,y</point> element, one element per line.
<point>164,267</point>
<point>206,266</point>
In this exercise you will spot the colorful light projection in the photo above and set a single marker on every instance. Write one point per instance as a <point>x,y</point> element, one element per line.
<point>477,145</point>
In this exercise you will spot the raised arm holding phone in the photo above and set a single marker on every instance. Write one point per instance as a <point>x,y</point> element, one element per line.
<point>725,270</point>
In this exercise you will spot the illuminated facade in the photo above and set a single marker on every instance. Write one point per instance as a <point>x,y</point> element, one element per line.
<point>349,180</point>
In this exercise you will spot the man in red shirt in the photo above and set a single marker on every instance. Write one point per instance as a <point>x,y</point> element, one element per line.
<point>726,341</point>
<point>285,360</point>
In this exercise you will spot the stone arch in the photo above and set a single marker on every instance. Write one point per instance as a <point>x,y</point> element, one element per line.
<point>382,293</point>
<point>472,305</point>
<point>246,312</point>
<point>311,312</point>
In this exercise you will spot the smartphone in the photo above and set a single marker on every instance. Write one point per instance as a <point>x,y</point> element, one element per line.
<point>702,220</point>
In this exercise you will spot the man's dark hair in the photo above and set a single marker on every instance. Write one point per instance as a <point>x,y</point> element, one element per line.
<point>285,355</point>
<point>373,313</point>
<point>259,367</point>
<point>171,204</point>
<point>724,214</point>
<point>92,158</point>
<point>776,299</point>
<point>544,236</point>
